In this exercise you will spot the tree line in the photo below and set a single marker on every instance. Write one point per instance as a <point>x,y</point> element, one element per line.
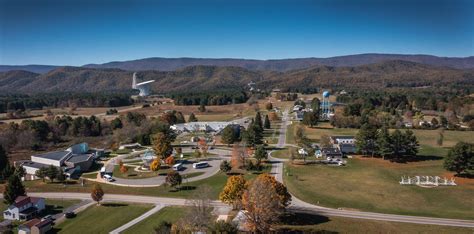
<point>209,98</point>
<point>14,102</point>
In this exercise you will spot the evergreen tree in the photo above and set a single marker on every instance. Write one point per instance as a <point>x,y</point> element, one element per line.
<point>253,135</point>
<point>52,173</point>
<point>366,140</point>
<point>398,143</point>
<point>202,106</point>
<point>4,164</point>
<point>384,143</point>
<point>266,123</point>
<point>13,189</point>
<point>180,117</point>
<point>316,105</point>
<point>411,143</point>
<point>116,123</point>
<point>258,121</point>
<point>192,118</point>
<point>460,158</point>
<point>310,119</point>
<point>61,177</point>
<point>228,136</point>
<point>260,154</point>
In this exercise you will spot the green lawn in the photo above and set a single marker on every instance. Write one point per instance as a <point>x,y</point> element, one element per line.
<point>102,219</point>
<point>372,185</point>
<point>168,214</point>
<point>216,182</point>
<point>313,223</point>
<point>3,206</point>
<point>55,206</point>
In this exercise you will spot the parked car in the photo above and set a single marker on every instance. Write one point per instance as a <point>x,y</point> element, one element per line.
<point>108,178</point>
<point>69,215</point>
<point>48,217</point>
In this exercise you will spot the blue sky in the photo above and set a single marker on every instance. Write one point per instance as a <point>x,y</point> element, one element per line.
<point>77,32</point>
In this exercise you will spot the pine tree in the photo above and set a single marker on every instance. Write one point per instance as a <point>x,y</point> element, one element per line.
<point>384,143</point>
<point>411,143</point>
<point>13,189</point>
<point>228,136</point>
<point>366,140</point>
<point>61,177</point>
<point>398,143</point>
<point>258,121</point>
<point>192,118</point>
<point>260,154</point>
<point>460,158</point>
<point>180,117</point>
<point>4,164</point>
<point>266,123</point>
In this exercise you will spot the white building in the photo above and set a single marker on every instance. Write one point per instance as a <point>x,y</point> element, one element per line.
<point>24,208</point>
<point>216,127</point>
<point>76,158</point>
<point>144,87</point>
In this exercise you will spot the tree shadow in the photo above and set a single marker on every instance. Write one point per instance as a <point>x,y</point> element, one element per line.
<point>465,175</point>
<point>52,210</point>
<point>114,204</point>
<point>416,158</point>
<point>301,218</point>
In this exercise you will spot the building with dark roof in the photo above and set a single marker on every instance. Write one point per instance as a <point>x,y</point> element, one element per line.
<point>76,158</point>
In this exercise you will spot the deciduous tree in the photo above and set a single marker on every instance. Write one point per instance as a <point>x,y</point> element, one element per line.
<point>97,193</point>
<point>233,190</point>
<point>155,165</point>
<point>162,145</point>
<point>170,161</point>
<point>173,179</point>
<point>225,166</point>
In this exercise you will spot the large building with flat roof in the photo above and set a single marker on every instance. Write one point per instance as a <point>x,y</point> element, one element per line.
<point>75,159</point>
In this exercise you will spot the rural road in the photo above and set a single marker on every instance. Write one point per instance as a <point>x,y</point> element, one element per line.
<point>299,205</point>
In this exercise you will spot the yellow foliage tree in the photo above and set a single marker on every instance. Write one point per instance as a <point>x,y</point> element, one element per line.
<point>155,165</point>
<point>233,190</point>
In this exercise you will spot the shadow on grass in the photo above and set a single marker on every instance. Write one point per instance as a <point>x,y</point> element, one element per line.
<point>417,158</point>
<point>114,204</point>
<point>300,218</point>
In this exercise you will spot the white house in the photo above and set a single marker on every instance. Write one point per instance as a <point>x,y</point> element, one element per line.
<point>24,208</point>
<point>346,144</point>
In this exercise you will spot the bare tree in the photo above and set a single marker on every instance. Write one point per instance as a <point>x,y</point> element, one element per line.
<point>200,212</point>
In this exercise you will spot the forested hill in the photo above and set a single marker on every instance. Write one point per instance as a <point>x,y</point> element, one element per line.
<point>205,78</point>
<point>281,65</point>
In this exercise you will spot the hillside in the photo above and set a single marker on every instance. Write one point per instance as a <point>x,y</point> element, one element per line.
<point>205,78</point>
<point>281,65</point>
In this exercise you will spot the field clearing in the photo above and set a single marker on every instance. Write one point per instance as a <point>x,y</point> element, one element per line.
<point>168,214</point>
<point>372,185</point>
<point>102,219</point>
<point>308,223</point>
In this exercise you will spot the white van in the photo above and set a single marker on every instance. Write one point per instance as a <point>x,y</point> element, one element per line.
<point>200,165</point>
<point>177,166</point>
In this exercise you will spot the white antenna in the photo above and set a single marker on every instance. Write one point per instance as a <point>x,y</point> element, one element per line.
<point>134,82</point>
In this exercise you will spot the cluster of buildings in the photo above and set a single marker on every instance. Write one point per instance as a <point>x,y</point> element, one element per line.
<point>340,147</point>
<point>73,161</point>
<point>212,127</point>
<point>27,208</point>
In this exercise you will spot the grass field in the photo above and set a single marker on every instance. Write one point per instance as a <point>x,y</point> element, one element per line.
<point>216,182</point>
<point>102,219</point>
<point>372,185</point>
<point>312,223</point>
<point>169,214</point>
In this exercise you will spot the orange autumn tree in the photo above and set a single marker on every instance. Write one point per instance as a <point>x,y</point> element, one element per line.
<point>264,201</point>
<point>202,144</point>
<point>239,154</point>
<point>170,160</point>
<point>123,169</point>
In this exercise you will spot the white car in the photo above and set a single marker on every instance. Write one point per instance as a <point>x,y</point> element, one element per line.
<point>108,178</point>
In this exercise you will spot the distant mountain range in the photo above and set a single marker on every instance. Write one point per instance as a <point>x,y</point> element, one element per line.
<point>393,73</point>
<point>280,65</point>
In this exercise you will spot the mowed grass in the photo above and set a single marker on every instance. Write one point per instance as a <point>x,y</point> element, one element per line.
<point>216,182</point>
<point>313,223</point>
<point>102,219</point>
<point>3,206</point>
<point>169,214</point>
<point>373,185</point>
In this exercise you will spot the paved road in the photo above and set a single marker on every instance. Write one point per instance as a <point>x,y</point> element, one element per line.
<point>299,205</point>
